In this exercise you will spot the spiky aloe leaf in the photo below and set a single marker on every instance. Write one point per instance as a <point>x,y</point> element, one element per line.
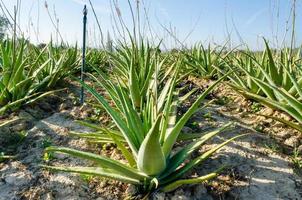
<point>28,99</point>
<point>97,171</point>
<point>273,104</point>
<point>120,144</point>
<point>133,84</point>
<point>102,161</point>
<point>99,136</point>
<point>273,70</point>
<point>188,166</point>
<point>293,125</point>
<point>151,159</point>
<point>176,160</point>
<point>172,137</point>
<point>116,117</point>
<point>174,185</point>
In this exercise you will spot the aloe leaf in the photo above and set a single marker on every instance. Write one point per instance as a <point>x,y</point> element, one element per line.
<point>172,137</point>
<point>99,136</point>
<point>29,99</point>
<point>187,95</point>
<point>102,161</point>
<point>274,104</point>
<point>174,185</point>
<point>97,171</point>
<point>293,125</point>
<point>163,95</point>
<point>180,156</point>
<point>295,83</point>
<point>151,159</point>
<point>134,89</point>
<point>297,105</point>
<point>273,70</point>
<point>266,88</point>
<point>181,171</point>
<point>116,117</point>
<point>170,121</point>
<point>129,157</point>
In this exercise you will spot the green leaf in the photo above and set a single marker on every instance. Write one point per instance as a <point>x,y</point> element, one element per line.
<point>97,171</point>
<point>151,159</point>
<point>172,137</point>
<point>176,160</point>
<point>174,185</point>
<point>181,171</point>
<point>102,161</point>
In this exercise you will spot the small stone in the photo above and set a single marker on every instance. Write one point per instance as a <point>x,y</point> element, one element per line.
<point>46,107</point>
<point>61,156</point>
<point>299,149</point>
<point>243,114</point>
<point>268,111</point>
<point>75,112</point>
<point>25,116</point>
<point>100,198</point>
<point>17,179</point>
<point>21,126</point>
<point>65,105</point>
<point>132,190</point>
<point>285,117</point>
<point>48,196</point>
<point>284,134</point>
<point>200,190</point>
<point>239,110</point>
<point>181,197</point>
<point>186,129</point>
<point>238,99</point>
<point>159,196</point>
<point>292,141</point>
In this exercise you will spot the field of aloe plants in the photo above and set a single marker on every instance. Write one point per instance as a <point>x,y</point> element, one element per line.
<point>200,123</point>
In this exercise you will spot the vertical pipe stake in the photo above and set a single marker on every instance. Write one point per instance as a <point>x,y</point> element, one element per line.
<point>83,52</point>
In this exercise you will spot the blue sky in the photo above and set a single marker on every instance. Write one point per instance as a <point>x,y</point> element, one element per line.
<point>211,20</point>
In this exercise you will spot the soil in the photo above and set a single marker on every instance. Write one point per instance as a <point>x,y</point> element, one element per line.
<point>259,165</point>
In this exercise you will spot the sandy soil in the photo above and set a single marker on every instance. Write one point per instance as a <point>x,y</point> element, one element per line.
<point>256,170</point>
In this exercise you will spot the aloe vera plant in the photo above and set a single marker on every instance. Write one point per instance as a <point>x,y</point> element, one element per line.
<point>18,76</point>
<point>205,62</point>
<point>96,58</point>
<point>273,81</point>
<point>28,73</point>
<point>146,136</point>
<point>61,62</point>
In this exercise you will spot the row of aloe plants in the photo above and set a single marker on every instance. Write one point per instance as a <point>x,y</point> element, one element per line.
<point>28,73</point>
<point>142,98</point>
<point>273,78</point>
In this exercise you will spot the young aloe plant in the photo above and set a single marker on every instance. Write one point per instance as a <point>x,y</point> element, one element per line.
<point>150,133</point>
<point>18,76</point>
<point>61,62</point>
<point>205,62</point>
